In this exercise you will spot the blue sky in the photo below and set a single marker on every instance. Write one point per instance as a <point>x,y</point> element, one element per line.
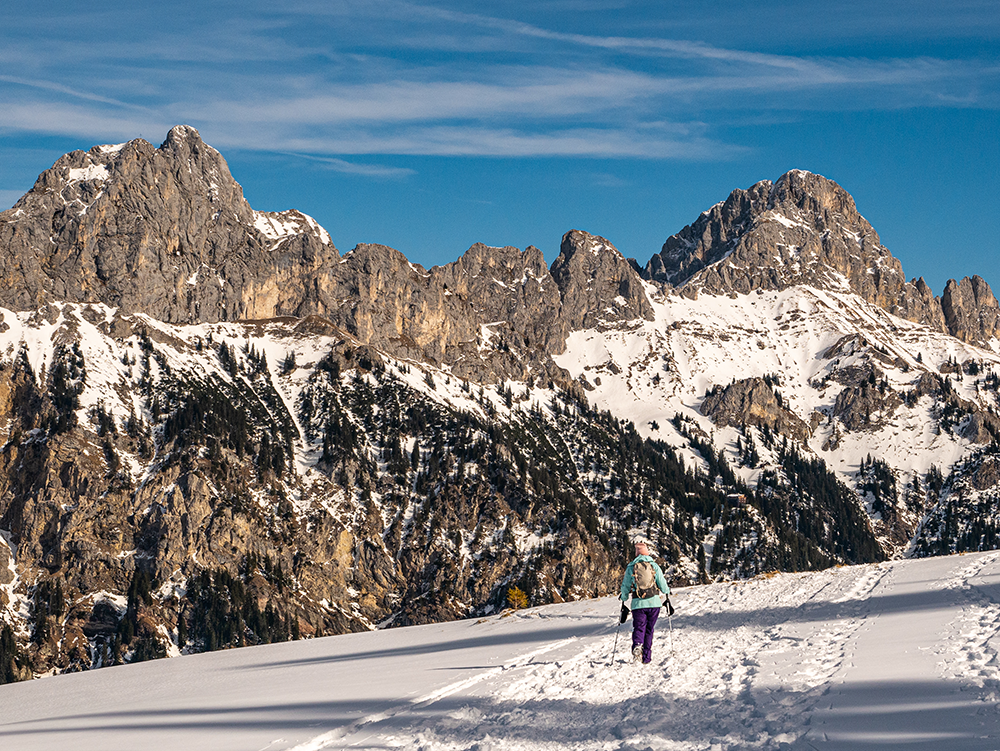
<point>430,126</point>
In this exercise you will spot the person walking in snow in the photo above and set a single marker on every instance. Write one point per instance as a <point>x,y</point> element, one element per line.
<point>645,584</point>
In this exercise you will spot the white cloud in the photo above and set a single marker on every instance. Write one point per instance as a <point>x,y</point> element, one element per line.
<point>524,94</point>
<point>444,140</point>
<point>353,168</point>
<point>63,89</point>
<point>383,77</point>
<point>101,124</point>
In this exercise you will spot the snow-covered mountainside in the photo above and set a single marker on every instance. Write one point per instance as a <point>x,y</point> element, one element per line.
<point>843,379</point>
<point>900,654</point>
<point>217,431</point>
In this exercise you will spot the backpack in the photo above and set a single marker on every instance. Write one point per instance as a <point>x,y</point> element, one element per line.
<point>644,580</point>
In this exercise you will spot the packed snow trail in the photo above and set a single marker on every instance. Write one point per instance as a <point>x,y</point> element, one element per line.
<point>898,686</point>
<point>894,655</point>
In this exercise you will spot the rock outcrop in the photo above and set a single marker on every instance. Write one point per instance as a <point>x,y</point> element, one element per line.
<point>495,312</point>
<point>599,287</point>
<point>753,402</point>
<point>492,313</point>
<point>866,406</point>
<point>971,312</point>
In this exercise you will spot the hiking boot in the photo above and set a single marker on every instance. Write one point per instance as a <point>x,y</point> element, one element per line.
<point>637,653</point>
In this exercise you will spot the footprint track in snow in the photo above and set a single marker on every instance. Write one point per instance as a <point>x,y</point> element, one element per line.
<point>971,653</point>
<point>713,684</point>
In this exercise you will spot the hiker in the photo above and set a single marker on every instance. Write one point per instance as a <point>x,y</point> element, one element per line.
<point>645,584</point>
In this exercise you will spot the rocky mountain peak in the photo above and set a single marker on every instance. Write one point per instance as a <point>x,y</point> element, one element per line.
<point>710,237</point>
<point>503,264</point>
<point>599,286</point>
<point>795,230</point>
<point>181,136</point>
<point>165,231</point>
<point>805,229</point>
<point>816,197</point>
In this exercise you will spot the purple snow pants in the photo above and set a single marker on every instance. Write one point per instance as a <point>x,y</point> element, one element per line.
<point>643,621</point>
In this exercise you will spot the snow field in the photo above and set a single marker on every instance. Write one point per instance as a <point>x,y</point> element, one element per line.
<point>900,654</point>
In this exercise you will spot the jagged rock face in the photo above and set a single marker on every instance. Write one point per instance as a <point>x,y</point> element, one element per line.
<point>795,231</point>
<point>866,402</point>
<point>805,229</point>
<point>753,402</point>
<point>495,312</point>
<point>6,571</point>
<point>509,290</point>
<point>927,383</point>
<point>970,309</point>
<point>477,314</point>
<point>981,427</point>
<point>599,287</point>
<point>987,474</point>
<point>866,406</point>
<point>165,231</point>
<point>710,238</point>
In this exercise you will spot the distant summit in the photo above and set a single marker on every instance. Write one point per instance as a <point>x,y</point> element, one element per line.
<point>805,229</point>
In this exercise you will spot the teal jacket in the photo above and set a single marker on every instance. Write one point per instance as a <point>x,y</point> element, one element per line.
<point>661,583</point>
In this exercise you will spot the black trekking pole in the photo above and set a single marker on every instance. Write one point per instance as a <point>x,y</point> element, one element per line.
<point>623,616</point>
<point>615,650</point>
<point>670,623</point>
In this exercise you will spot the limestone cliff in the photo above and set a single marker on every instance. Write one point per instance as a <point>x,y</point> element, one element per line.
<point>165,231</point>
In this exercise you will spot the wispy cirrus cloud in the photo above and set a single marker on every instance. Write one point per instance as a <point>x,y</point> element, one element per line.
<point>385,78</point>
<point>727,69</point>
<point>444,140</point>
<point>354,168</point>
<point>69,91</point>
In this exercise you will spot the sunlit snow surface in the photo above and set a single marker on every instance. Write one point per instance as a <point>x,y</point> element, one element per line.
<point>651,370</point>
<point>894,655</point>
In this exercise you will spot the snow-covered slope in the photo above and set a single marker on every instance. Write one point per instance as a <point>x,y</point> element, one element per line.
<point>900,654</point>
<point>810,341</point>
<point>666,365</point>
